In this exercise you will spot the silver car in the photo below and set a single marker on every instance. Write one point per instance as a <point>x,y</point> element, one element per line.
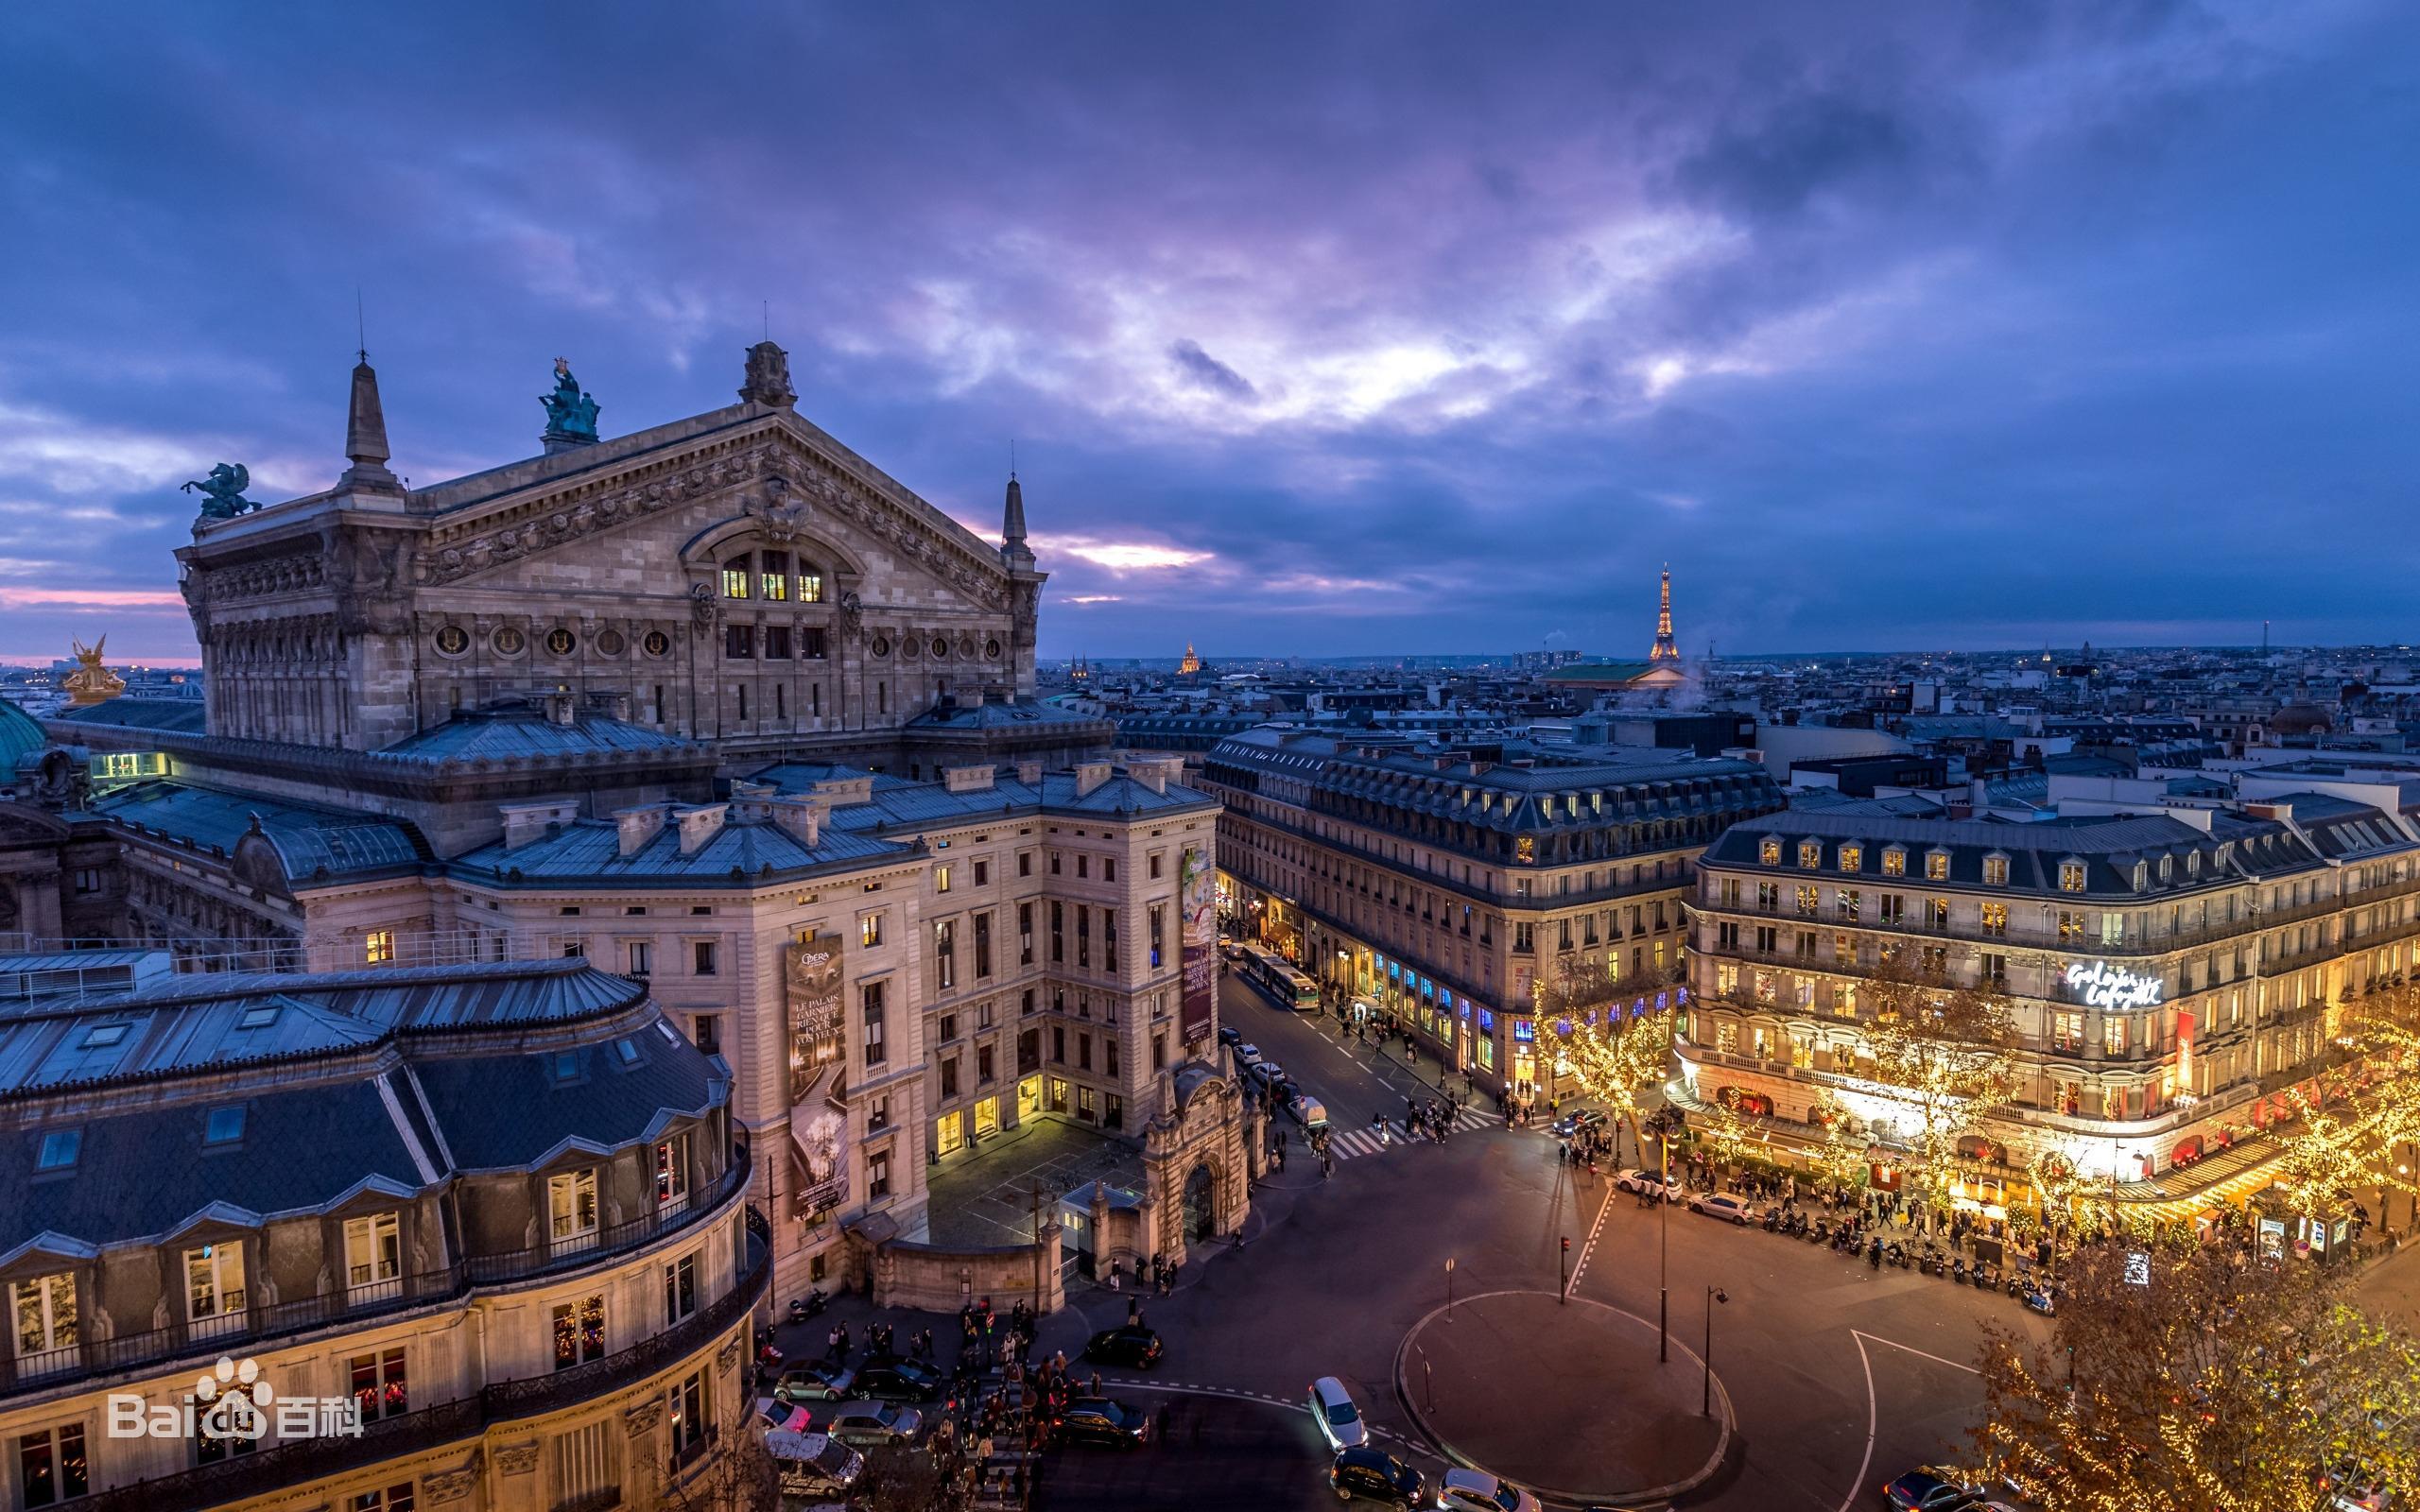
<point>874,1424</point>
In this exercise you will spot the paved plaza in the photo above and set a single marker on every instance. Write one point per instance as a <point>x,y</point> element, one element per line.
<point>987,1197</point>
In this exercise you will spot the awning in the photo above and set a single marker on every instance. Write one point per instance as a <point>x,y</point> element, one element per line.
<point>2187,1148</point>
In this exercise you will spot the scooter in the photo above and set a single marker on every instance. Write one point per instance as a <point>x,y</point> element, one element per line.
<point>2044,1300</point>
<point>1772,1220</point>
<point>1897,1255</point>
<point>1958,1270</point>
<point>1932,1263</point>
<point>802,1308</point>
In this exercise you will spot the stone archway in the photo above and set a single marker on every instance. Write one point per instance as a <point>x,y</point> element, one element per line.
<point>1200,1203</point>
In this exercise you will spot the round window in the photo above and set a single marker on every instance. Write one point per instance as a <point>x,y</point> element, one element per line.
<point>508,641</point>
<point>908,647</point>
<point>880,647</point>
<point>991,649</point>
<point>453,639</point>
<point>940,647</point>
<point>655,643</point>
<point>561,641</point>
<point>609,643</point>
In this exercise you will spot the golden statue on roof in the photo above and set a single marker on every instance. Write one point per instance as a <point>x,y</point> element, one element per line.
<point>91,682</point>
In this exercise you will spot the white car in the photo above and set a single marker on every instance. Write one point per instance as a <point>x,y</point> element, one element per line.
<point>1645,1183</point>
<point>1477,1491</point>
<point>1339,1419</point>
<point>1724,1205</point>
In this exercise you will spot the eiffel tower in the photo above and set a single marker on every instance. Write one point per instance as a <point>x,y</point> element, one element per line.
<point>1666,648</point>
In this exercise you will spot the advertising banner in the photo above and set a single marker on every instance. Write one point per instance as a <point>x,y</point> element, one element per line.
<point>1197,903</point>
<point>819,1069</point>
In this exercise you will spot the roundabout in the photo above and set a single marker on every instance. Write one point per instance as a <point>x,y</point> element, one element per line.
<point>1566,1399</point>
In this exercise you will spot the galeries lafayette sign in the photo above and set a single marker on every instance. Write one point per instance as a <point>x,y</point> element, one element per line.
<point>2105,988</point>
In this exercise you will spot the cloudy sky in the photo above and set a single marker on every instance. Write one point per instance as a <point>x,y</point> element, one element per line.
<point>1320,328</point>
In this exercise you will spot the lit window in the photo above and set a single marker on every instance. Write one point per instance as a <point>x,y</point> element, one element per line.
<point>1894,862</point>
<point>373,1256</point>
<point>1996,918</point>
<point>870,930</point>
<point>378,946</point>
<point>52,1466</point>
<point>1770,852</point>
<point>775,577</point>
<point>1851,857</point>
<point>2071,876</point>
<point>383,1389</point>
<point>580,1333</point>
<point>734,577</point>
<point>1937,865</point>
<point>1996,871</point>
<point>1810,853</point>
<point>44,1308</point>
<point>215,1288</point>
<point>571,1211</point>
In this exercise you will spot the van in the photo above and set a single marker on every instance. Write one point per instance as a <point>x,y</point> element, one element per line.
<point>1310,1111</point>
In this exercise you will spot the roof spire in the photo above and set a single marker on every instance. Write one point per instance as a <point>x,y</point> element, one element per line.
<point>365,433</point>
<point>1012,547</point>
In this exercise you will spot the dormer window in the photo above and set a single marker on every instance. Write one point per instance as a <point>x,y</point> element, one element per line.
<point>1851,858</point>
<point>1995,870</point>
<point>1769,853</point>
<point>1937,866</point>
<point>1811,854</point>
<point>1894,861</point>
<point>2071,876</point>
<point>2166,870</point>
<point>2193,863</point>
<point>2142,876</point>
<point>59,1149</point>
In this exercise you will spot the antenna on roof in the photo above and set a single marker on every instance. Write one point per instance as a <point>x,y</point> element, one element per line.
<point>765,308</point>
<point>360,328</point>
<point>1013,457</point>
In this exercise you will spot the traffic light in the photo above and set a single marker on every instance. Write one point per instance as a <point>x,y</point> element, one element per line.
<point>1567,1243</point>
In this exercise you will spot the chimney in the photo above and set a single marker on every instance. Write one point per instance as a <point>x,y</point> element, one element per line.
<point>1155,772</point>
<point>563,708</point>
<point>698,824</point>
<point>2277,811</point>
<point>801,818</point>
<point>1090,775</point>
<point>639,826</point>
<point>525,823</point>
<point>1030,773</point>
<point>967,779</point>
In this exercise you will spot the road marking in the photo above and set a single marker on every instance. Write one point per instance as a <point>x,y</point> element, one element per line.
<point>1235,1393</point>
<point>1873,1424</point>
<point>1913,1350</point>
<point>1590,1248</point>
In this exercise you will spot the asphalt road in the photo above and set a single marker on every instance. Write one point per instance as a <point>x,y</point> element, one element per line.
<point>1841,1376</point>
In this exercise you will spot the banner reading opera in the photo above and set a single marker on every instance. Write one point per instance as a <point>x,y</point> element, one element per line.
<point>1196,899</point>
<point>818,1069</point>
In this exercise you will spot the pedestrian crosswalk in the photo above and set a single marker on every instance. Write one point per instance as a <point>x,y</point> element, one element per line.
<point>1352,1143</point>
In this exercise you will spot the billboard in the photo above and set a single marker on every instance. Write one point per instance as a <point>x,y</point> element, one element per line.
<point>1198,905</point>
<point>811,991</point>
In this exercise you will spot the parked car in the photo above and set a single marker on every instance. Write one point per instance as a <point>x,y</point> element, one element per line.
<point>1729,1205</point>
<point>813,1465</point>
<point>895,1380</point>
<point>1340,1419</point>
<point>1128,1345</point>
<point>1265,1072</point>
<point>1230,1034</point>
<point>1101,1421</point>
<point>1579,1121</point>
<point>1929,1490</point>
<point>1246,1054</point>
<point>1230,949</point>
<point>1477,1491</point>
<point>1375,1475</point>
<point>875,1424</point>
<point>818,1380</point>
<point>1645,1183</point>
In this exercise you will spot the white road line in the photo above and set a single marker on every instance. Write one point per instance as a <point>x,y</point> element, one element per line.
<point>1913,1350</point>
<point>1590,1248</point>
<point>1872,1425</point>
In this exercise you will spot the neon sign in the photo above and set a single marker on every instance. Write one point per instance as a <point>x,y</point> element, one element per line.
<point>2104,989</point>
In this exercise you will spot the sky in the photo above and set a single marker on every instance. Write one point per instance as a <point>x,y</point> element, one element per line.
<point>1321,330</point>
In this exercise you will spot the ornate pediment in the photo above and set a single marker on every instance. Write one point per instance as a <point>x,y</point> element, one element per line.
<point>776,478</point>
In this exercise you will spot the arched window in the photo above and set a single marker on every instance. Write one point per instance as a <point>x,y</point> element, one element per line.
<point>735,571</point>
<point>810,582</point>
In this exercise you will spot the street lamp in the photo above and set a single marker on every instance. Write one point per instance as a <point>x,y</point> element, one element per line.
<point>1706,1403</point>
<point>1664,1123</point>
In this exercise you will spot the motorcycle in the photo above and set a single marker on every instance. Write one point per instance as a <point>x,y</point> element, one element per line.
<point>1772,1220</point>
<point>1958,1270</point>
<point>802,1308</point>
<point>1932,1263</point>
<point>2044,1300</point>
<point>1897,1255</point>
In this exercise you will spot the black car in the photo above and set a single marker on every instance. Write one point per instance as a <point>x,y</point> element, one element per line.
<point>1130,1345</point>
<point>1929,1490</point>
<point>1228,1035</point>
<point>891,1379</point>
<point>1375,1475</point>
<point>1579,1121</point>
<point>1100,1420</point>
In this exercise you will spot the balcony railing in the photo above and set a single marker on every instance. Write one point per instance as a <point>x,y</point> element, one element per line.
<point>306,1460</point>
<point>257,1326</point>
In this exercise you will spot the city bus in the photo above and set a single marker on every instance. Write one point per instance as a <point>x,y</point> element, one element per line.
<point>1268,970</point>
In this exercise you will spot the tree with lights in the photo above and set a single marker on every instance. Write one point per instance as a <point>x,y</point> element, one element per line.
<point>1949,1052</point>
<point>1840,1156</point>
<point>1617,1061</point>
<point>2185,1377</point>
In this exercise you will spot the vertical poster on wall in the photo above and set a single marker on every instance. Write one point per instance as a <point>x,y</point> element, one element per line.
<point>819,1071</point>
<point>1198,900</point>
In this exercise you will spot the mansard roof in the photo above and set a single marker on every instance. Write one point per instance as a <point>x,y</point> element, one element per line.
<point>311,844</point>
<point>517,731</point>
<point>395,1079</point>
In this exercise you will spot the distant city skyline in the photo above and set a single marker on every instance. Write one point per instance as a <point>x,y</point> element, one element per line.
<point>1340,331</point>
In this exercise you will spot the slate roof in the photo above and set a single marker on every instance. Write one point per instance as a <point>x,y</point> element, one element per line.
<point>995,715</point>
<point>403,1078</point>
<point>184,717</point>
<point>2108,847</point>
<point>742,853</point>
<point>523,734</point>
<point>311,843</point>
<point>897,806</point>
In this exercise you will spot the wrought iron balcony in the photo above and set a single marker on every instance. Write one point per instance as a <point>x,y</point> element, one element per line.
<point>288,1465</point>
<point>258,1329</point>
